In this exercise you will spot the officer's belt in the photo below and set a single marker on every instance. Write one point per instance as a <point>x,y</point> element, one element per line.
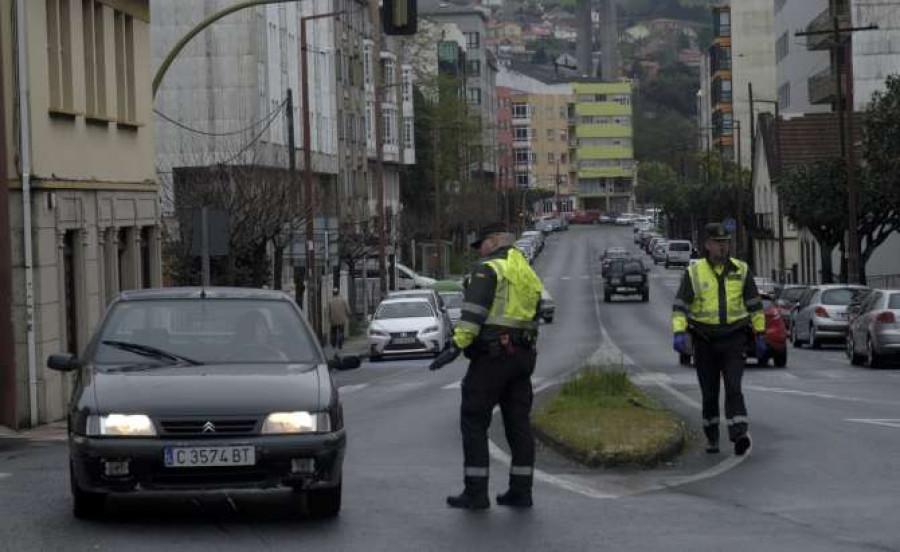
<point>708,332</point>
<point>492,334</point>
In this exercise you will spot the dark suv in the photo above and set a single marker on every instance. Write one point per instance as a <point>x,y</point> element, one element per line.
<point>626,277</point>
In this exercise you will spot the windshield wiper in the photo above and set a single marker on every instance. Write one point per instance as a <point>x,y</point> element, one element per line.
<point>148,351</point>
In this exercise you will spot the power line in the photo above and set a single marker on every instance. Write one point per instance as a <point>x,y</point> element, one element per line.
<point>257,137</point>
<point>183,126</point>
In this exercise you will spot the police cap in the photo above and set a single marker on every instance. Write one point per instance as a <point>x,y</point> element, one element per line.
<point>717,231</point>
<point>486,232</point>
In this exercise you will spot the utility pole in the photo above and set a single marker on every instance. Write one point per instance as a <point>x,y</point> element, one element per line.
<point>840,53</point>
<point>295,190</point>
<point>379,141</point>
<point>8,410</point>
<point>435,140</point>
<point>740,190</point>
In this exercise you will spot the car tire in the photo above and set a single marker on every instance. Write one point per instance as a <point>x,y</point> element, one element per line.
<point>85,504</point>
<point>762,362</point>
<point>814,343</point>
<point>780,358</point>
<point>324,503</point>
<point>873,359</point>
<point>855,359</point>
<point>684,359</point>
<point>607,297</point>
<point>666,265</point>
<point>645,296</point>
<point>796,341</point>
<point>548,319</point>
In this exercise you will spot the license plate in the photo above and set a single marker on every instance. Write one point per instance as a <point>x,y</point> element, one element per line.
<point>633,279</point>
<point>841,316</point>
<point>209,457</point>
<point>404,340</point>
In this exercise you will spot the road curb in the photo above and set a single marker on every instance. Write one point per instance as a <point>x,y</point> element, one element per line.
<point>671,447</point>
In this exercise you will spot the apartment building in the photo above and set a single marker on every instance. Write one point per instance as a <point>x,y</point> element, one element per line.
<point>601,122</point>
<point>83,188</point>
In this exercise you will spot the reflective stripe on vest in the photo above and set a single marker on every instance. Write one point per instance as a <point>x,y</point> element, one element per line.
<point>705,283</point>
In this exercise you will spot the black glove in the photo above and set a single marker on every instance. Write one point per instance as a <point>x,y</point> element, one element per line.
<point>447,356</point>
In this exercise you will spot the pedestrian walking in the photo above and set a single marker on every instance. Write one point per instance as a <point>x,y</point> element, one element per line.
<point>719,306</point>
<point>498,334</point>
<point>339,315</point>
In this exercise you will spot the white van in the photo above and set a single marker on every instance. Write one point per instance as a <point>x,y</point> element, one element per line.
<point>678,253</point>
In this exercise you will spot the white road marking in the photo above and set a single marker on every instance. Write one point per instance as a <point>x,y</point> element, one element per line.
<point>886,422</point>
<point>565,278</point>
<point>344,390</point>
<point>454,385</point>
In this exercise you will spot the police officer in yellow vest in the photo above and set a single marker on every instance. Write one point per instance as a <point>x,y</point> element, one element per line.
<point>497,332</point>
<point>718,304</point>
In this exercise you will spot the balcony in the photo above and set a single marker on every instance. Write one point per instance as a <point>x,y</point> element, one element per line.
<point>765,225</point>
<point>825,22</point>
<point>823,87</point>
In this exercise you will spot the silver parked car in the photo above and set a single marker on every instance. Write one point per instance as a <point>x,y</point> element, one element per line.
<point>874,335</point>
<point>821,314</point>
<point>405,326</point>
<point>453,300</point>
<point>437,302</point>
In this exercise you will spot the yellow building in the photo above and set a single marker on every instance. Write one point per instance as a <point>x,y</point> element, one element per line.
<point>84,216</point>
<point>603,148</point>
<point>541,143</point>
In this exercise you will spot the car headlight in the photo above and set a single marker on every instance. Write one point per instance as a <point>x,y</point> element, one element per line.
<point>278,423</point>
<point>430,329</point>
<point>120,425</point>
<point>377,333</point>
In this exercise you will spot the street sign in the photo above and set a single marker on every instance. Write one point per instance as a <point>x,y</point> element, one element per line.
<point>217,227</point>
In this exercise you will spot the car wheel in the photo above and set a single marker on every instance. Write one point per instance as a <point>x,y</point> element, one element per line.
<point>324,503</point>
<point>666,265</point>
<point>813,341</point>
<point>873,359</point>
<point>795,340</point>
<point>855,359</point>
<point>548,319</point>
<point>645,296</point>
<point>85,505</point>
<point>684,360</point>
<point>607,297</point>
<point>780,358</point>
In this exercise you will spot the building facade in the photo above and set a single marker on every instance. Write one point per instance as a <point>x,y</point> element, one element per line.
<point>602,152</point>
<point>82,166</point>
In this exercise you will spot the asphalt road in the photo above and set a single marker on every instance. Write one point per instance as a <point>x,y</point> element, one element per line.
<point>822,474</point>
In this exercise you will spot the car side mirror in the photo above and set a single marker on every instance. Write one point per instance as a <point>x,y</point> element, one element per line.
<point>63,362</point>
<point>349,362</point>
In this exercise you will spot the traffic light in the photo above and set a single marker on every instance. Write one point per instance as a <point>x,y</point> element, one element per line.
<point>398,17</point>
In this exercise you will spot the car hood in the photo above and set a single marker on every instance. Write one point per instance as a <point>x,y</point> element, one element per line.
<point>232,389</point>
<point>394,325</point>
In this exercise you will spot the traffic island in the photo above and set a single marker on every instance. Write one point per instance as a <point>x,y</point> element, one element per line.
<point>600,418</point>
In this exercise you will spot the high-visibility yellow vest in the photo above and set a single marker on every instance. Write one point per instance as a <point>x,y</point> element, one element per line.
<point>517,293</point>
<point>705,308</point>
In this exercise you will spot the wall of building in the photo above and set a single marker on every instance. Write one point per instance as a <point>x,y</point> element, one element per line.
<point>794,62</point>
<point>753,61</point>
<point>876,54</point>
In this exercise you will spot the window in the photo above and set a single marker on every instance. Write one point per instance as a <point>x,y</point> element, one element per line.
<point>563,158</point>
<point>784,95</point>
<point>782,47</point>
<point>370,122</point>
<point>124,47</point>
<point>367,60</point>
<point>146,235</point>
<point>723,23</point>
<point>71,298</point>
<point>59,54</point>
<point>522,134</point>
<point>388,122</point>
<point>551,134</point>
<point>473,94</point>
<point>523,180</point>
<point>125,266</point>
<point>407,85</point>
<point>387,68</point>
<point>520,111</point>
<point>563,135</point>
<point>563,112</point>
<point>408,133</point>
<point>473,68</point>
<point>521,156</point>
<point>551,158</point>
<point>94,58</point>
<point>473,40</point>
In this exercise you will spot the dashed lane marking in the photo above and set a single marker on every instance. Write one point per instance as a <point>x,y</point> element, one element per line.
<point>886,422</point>
<point>347,389</point>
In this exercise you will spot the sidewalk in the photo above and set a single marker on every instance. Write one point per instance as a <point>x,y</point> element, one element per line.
<point>353,345</point>
<point>53,431</point>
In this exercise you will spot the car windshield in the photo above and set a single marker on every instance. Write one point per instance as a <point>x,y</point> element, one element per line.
<point>452,300</point>
<point>837,297</point>
<point>406,309</point>
<point>894,302</point>
<point>676,246</point>
<point>792,294</point>
<point>208,331</point>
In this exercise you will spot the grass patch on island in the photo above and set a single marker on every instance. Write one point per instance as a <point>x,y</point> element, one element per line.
<point>602,418</point>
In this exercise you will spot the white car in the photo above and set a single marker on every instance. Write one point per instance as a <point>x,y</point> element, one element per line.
<point>453,300</point>
<point>405,326</point>
<point>678,253</point>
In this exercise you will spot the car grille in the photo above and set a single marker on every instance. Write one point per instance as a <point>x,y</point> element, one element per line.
<point>403,334</point>
<point>208,427</point>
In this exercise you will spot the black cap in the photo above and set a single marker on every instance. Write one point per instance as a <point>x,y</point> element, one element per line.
<point>716,231</point>
<point>486,232</point>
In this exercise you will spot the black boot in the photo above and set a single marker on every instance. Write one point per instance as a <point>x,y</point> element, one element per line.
<point>742,444</point>
<point>712,438</point>
<point>519,493</point>
<point>474,497</point>
<point>712,446</point>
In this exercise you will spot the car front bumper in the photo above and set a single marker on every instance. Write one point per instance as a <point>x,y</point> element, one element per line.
<point>425,343</point>
<point>273,467</point>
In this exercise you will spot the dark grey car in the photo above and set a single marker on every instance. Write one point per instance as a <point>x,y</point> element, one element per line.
<point>186,389</point>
